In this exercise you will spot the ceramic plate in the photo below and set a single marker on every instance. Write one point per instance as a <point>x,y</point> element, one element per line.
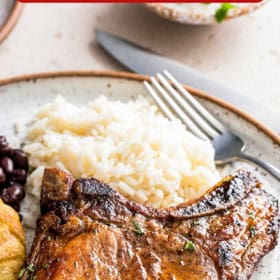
<point>21,97</point>
<point>9,13</point>
<point>199,13</point>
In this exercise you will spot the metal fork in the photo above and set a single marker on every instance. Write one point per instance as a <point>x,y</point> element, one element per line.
<point>175,101</point>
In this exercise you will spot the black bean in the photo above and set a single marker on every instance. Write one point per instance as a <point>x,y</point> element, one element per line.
<point>5,149</point>
<point>13,194</point>
<point>7,164</point>
<point>16,206</point>
<point>3,141</point>
<point>2,176</point>
<point>20,159</point>
<point>19,176</point>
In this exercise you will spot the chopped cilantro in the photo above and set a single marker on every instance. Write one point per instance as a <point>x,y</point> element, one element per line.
<point>196,223</point>
<point>30,267</point>
<point>222,12</point>
<point>31,169</point>
<point>275,202</point>
<point>252,231</point>
<point>252,215</point>
<point>189,246</point>
<point>137,228</point>
<point>21,272</point>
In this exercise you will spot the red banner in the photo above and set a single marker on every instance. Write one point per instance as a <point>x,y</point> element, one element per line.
<point>136,1</point>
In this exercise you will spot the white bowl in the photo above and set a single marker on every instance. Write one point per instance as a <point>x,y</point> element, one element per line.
<point>199,13</point>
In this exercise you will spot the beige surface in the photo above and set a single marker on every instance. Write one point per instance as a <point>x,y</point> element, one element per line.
<point>243,53</point>
<point>6,6</point>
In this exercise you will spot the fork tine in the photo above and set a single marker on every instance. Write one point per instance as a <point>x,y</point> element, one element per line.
<point>207,116</point>
<point>184,118</point>
<point>159,102</point>
<point>188,109</point>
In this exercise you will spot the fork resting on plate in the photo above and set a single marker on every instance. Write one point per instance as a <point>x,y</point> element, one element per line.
<point>175,101</point>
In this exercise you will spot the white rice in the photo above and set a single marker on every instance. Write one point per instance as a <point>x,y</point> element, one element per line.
<point>131,146</point>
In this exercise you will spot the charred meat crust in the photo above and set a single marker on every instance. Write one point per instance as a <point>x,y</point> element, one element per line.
<point>221,197</point>
<point>221,235</point>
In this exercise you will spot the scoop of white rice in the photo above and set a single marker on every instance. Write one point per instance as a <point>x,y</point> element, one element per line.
<point>131,146</point>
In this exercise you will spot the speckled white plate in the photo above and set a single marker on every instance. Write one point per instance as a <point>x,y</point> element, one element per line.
<point>20,98</point>
<point>199,13</point>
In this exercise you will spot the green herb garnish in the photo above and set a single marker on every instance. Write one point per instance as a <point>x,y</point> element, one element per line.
<point>31,169</point>
<point>21,272</point>
<point>137,228</point>
<point>196,223</point>
<point>30,267</point>
<point>252,231</point>
<point>189,246</point>
<point>275,202</point>
<point>46,266</point>
<point>252,215</point>
<point>222,12</point>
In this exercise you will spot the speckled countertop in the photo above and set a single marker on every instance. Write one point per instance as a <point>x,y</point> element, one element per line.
<point>243,53</point>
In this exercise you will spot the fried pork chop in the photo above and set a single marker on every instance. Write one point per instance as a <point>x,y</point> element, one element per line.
<point>89,231</point>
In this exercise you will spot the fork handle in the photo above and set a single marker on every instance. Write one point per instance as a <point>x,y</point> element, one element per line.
<point>275,172</point>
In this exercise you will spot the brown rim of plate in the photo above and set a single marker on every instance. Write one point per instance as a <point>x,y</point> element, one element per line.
<point>136,77</point>
<point>11,21</point>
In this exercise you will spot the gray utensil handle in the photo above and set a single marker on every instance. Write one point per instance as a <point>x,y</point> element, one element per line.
<point>275,172</point>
